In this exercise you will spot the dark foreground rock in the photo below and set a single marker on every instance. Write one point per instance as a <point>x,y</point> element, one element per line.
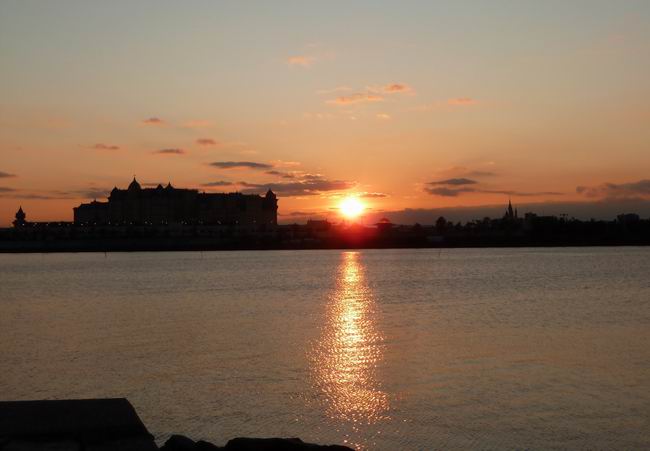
<point>80,424</point>
<point>182,443</point>
<point>108,425</point>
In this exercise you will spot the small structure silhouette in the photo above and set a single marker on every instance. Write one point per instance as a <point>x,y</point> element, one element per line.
<point>20,218</point>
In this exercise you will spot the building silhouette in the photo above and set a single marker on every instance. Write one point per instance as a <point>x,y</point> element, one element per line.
<point>20,218</point>
<point>511,214</point>
<point>169,205</point>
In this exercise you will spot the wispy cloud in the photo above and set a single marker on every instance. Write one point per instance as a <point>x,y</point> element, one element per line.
<point>454,181</point>
<point>640,188</point>
<point>383,116</point>
<point>371,94</point>
<point>207,142</point>
<point>285,164</point>
<point>334,90</point>
<point>450,191</point>
<point>153,121</point>
<point>373,195</point>
<point>308,185</point>
<point>301,60</point>
<point>6,175</point>
<point>464,172</point>
<point>284,175</point>
<point>93,193</point>
<point>170,151</point>
<point>446,191</point>
<point>395,88</point>
<point>217,183</point>
<point>6,189</point>
<point>359,97</point>
<point>461,101</point>
<point>100,146</point>
<point>240,165</point>
<point>454,187</point>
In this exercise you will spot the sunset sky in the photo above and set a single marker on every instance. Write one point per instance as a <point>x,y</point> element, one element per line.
<point>410,105</point>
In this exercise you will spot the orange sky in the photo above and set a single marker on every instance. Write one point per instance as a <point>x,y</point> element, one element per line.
<point>408,105</point>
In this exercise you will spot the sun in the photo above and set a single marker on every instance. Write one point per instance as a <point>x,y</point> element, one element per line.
<point>351,207</point>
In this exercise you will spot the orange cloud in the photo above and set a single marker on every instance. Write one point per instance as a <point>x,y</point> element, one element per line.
<point>461,101</point>
<point>301,60</point>
<point>396,88</point>
<point>101,146</point>
<point>357,98</point>
<point>170,151</point>
<point>153,121</point>
<point>383,116</point>
<point>206,142</point>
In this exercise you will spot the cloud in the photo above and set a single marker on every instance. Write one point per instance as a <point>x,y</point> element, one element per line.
<point>383,116</point>
<point>373,195</point>
<point>240,165</point>
<point>301,60</point>
<point>455,182</point>
<point>6,175</point>
<point>454,187</point>
<point>446,191</point>
<point>304,187</point>
<point>521,193</point>
<point>359,97</point>
<point>461,101</point>
<point>153,121</point>
<point>101,146</point>
<point>171,151</point>
<point>371,94</point>
<point>452,191</point>
<point>395,88</point>
<point>5,189</point>
<point>285,164</point>
<point>334,90</point>
<point>284,175</point>
<point>218,183</point>
<point>206,142</point>
<point>93,193</point>
<point>31,196</point>
<point>640,188</point>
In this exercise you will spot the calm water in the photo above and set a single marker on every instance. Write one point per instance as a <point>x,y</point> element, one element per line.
<point>386,349</point>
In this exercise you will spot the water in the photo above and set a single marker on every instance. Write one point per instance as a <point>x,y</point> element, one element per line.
<point>381,349</point>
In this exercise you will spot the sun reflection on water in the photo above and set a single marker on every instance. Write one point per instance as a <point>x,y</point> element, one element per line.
<point>345,359</point>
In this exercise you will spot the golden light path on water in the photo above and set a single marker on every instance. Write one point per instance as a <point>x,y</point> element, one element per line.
<point>345,359</point>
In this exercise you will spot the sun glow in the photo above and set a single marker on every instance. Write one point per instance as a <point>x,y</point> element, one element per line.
<point>351,207</point>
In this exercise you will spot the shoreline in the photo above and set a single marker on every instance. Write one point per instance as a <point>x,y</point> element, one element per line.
<point>49,247</point>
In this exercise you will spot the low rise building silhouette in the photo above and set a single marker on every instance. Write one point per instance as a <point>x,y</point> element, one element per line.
<point>169,205</point>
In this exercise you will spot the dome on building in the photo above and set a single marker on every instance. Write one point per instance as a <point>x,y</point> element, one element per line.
<point>134,185</point>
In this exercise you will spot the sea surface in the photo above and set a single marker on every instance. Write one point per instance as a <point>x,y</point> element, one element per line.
<point>378,349</point>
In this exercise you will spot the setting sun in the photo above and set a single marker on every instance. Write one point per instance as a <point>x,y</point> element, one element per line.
<point>351,207</point>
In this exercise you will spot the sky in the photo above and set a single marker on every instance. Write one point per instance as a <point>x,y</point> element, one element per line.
<point>422,106</point>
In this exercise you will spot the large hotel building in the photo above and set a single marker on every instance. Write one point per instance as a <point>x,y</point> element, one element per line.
<point>169,205</point>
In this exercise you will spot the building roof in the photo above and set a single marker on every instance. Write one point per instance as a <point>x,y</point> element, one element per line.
<point>134,185</point>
